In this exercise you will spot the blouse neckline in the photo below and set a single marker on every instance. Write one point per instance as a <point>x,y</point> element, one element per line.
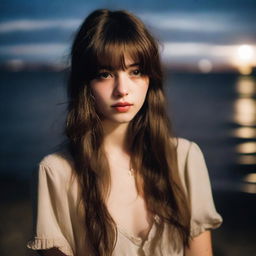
<point>139,240</point>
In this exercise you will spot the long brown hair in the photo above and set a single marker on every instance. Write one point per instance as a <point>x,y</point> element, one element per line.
<point>102,40</point>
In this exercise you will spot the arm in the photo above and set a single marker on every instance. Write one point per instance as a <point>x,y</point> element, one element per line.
<point>52,221</point>
<point>203,213</point>
<point>200,245</point>
<point>51,252</point>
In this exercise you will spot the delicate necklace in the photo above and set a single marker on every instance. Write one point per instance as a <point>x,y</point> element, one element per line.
<point>131,172</point>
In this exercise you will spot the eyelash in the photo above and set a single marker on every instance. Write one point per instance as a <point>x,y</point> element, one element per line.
<point>105,74</point>
<point>100,75</point>
<point>136,72</point>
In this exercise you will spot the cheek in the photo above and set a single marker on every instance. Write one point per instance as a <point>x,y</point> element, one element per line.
<point>143,89</point>
<point>100,93</point>
<point>101,97</point>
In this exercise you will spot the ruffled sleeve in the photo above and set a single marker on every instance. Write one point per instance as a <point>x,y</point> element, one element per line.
<point>53,226</point>
<point>203,213</point>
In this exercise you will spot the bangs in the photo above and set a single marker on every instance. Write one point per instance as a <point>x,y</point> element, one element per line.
<point>112,48</point>
<point>116,38</point>
<point>112,56</point>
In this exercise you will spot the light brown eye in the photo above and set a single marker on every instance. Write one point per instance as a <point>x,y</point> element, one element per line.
<point>104,75</point>
<point>136,72</point>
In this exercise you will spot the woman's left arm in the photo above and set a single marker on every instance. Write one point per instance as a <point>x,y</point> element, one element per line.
<point>200,245</point>
<point>204,216</point>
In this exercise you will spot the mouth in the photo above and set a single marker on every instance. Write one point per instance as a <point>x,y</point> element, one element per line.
<point>122,106</point>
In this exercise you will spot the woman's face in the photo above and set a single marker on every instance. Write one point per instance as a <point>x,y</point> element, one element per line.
<point>119,94</point>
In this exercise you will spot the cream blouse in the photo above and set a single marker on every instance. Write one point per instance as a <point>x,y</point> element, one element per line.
<point>59,221</point>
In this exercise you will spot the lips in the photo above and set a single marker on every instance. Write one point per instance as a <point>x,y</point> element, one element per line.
<point>122,106</point>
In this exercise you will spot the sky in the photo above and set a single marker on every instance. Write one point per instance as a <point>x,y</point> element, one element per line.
<point>190,31</point>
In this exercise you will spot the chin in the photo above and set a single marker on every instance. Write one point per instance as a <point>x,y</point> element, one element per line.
<point>122,119</point>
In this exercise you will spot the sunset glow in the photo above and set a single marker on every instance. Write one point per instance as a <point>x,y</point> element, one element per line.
<point>245,59</point>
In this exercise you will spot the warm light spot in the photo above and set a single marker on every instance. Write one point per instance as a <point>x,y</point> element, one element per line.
<point>245,69</point>
<point>15,64</point>
<point>245,52</point>
<point>245,59</point>
<point>247,159</point>
<point>246,148</point>
<point>245,111</point>
<point>251,177</point>
<point>205,66</point>
<point>246,86</point>
<point>245,132</point>
<point>249,188</point>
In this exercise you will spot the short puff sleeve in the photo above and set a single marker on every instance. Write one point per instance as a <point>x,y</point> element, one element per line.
<point>203,213</point>
<point>53,227</point>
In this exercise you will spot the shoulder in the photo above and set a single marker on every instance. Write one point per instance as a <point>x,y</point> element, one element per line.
<point>58,165</point>
<point>185,147</point>
<point>182,148</point>
<point>189,157</point>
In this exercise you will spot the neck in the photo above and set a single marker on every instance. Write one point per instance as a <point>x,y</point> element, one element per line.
<point>115,137</point>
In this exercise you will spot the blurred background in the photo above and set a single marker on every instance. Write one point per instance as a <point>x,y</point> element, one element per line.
<point>208,49</point>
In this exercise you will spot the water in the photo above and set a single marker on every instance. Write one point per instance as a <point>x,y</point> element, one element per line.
<point>32,115</point>
<point>208,109</point>
<point>219,112</point>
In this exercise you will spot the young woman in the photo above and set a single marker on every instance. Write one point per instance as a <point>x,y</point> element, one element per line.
<point>124,185</point>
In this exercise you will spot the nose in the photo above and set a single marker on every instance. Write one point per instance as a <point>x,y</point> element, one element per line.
<point>121,85</point>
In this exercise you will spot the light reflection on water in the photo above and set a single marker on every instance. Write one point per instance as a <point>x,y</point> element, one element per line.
<point>246,148</point>
<point>248,188</point>
<point>246,159</point>
<point>244,132</point>
<point>246,86</point>
<point>245,111</point>
<point>244,115</point>
<point>250,178</point>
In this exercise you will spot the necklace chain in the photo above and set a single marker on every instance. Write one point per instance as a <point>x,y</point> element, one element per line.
<point>131,172</point>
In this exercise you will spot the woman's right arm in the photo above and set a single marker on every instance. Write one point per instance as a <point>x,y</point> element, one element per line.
<point>52,219</point>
